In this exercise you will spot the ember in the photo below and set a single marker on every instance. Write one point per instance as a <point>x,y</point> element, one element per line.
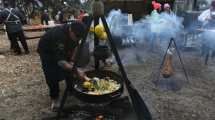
<point>119,109</point>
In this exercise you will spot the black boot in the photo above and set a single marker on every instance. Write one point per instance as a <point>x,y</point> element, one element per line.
<point>27,52</point>
<point>18,52</point>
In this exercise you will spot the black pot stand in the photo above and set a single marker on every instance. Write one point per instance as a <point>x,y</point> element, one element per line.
<point>91,111</point>
<point>157,77</point>
<point>138,104</point>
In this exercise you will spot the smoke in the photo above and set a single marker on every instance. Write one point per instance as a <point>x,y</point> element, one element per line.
<point>200,33</point>
<point>208,35</point>
<point>164,25</point>
<point>143,31</point>
<point>116,21</point>
<point>172,25</point>
<point>208,1</point>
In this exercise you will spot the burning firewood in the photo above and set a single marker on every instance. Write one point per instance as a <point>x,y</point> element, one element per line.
<point>167,70</point>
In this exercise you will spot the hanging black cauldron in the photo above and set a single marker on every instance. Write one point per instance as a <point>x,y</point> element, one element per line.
<point>83,96</point>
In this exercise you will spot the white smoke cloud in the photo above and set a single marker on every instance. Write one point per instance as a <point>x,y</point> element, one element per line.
<point>164,25</point>
<point>208,37</point>
<point>116,20</point>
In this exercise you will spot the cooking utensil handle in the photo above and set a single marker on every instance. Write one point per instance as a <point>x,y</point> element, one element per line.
<point>113,96</point>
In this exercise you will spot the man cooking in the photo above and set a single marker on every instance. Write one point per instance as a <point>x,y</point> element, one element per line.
<point>207,18</point>
<point>57,49</point>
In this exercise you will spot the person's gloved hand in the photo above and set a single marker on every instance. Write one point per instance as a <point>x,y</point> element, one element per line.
<point>208,18</point>
<point>82,75</point>
<point>66,65</point>
<point>69,67</point>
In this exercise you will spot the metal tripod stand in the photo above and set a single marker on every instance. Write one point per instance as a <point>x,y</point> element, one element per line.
<point>172,41</point>
<point>139,105</point>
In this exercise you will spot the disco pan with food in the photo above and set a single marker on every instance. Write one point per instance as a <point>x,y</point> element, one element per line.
<point>102,86</point>
<point>97,86</point>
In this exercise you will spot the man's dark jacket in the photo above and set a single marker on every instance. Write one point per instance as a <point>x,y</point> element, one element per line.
<point>56,43</point>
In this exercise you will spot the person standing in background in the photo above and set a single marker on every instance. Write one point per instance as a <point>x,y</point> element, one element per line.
<point>13,20</point>
<point>45,17</point>
<point>208,14</point>
<point>207,18</point>
<point>154,25</point>
<point>60,17</point>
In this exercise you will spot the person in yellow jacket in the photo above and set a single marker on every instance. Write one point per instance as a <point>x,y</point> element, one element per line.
<point>102,51</point>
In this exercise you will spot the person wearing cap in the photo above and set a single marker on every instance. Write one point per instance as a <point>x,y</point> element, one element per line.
<point>45,17</point>
<point>156,7</point>
<point>154,24</point>
<point>102,51</point>
<point>14,19</point>
<point>57,49</point>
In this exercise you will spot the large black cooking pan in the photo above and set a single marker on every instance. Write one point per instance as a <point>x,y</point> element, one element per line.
<point>83,96</point>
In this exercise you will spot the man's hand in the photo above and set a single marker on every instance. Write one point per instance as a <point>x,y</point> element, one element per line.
<point>66,65</point>
<point>82,75</point>
<point>208,18</point>
<point>69,67</point>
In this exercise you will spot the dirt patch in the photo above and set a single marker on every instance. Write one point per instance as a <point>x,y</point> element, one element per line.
<point>24,94</point>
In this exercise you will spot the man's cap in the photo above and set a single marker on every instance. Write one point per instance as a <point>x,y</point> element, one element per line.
<point>78,28</point>
<point>156,5</point>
